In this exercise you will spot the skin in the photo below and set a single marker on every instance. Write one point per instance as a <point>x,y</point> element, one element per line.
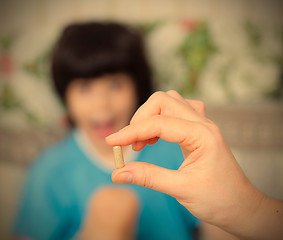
<point>209,183</point>
<point>98,101</point>
<point>99,107</point>
<point>102,106</point>
<point>111,220</point>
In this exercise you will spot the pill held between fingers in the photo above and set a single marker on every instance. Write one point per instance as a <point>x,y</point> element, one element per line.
<point>118,156</point>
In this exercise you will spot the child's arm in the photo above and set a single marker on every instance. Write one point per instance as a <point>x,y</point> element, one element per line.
<point>43,203</point>
<point>209,183</point>
<point>112,214</point>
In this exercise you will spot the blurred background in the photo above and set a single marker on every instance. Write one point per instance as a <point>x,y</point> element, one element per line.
<point>226,53</point>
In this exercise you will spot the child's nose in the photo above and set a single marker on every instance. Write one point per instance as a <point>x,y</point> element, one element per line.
<point>101,100</point>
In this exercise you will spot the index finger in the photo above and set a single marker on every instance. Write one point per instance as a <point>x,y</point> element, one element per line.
<point>161,103</point>
<point>183,132</point>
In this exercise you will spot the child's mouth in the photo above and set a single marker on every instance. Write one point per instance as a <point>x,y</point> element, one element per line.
<point>102,130</point>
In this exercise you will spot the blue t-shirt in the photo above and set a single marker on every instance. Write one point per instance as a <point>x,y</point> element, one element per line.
<point>63,178</point>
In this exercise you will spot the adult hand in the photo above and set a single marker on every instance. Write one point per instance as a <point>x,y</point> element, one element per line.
<point>209,183</point>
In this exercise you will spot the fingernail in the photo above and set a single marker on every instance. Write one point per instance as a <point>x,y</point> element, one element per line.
<point>124,177</point>
<point>134,145</point>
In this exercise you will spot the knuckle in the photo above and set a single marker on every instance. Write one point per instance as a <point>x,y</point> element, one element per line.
<point>172,92</point>
<point>201,106</point>
<point>158,95</point>
<point>147,180</point>
<point>213,129</point>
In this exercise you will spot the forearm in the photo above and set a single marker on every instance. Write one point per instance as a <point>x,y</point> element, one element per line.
<point>263,220</point>
<point>211,232</point>
<point>268,221</point>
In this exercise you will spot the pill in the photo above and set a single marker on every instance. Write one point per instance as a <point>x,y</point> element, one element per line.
<point>118,156</point>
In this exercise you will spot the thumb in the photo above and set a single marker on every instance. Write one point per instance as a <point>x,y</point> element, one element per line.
<point>148,175</point>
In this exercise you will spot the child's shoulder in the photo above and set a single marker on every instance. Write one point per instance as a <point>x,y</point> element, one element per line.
<point>59,155</point>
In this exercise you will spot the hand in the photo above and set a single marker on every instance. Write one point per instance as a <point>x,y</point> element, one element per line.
<point>111,215</point>
<point>209,183</point>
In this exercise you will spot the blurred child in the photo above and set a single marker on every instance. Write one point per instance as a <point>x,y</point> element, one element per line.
<point>101,74</point>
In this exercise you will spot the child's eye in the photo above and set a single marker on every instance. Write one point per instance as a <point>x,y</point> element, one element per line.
<point>84,86</point>
<point>115,84</point>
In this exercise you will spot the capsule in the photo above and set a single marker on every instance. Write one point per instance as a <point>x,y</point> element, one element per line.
<point>118,156</point>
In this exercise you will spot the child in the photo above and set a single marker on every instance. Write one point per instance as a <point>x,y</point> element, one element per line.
<point>101,74</point>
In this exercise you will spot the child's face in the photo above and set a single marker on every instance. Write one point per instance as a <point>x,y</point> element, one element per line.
<point>102,105</point>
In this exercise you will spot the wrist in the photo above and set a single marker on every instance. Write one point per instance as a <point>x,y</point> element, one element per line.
<point>259,217</point>
<point>249,219</point>
<point>268,219</point>
<point>242,218</point>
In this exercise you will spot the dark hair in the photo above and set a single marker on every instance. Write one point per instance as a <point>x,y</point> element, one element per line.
<point>89,50</point>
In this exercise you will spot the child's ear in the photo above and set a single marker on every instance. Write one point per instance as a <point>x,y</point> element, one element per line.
<point>70,122</point>
<point>66,121</point>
